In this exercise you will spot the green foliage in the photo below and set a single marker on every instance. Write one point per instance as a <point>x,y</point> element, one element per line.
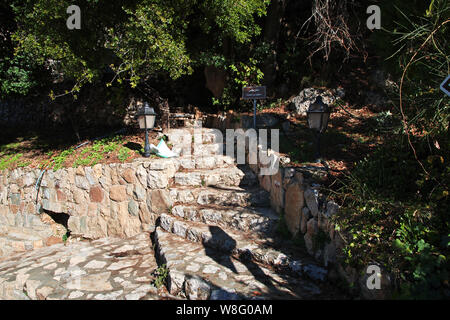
<point>6,162</point>
<point>161,276</point>
<point>410,29</point>
<point>100,149</point>
<point>397,199</point>
<point>135,40</point>
<point>16,75</point>
<point>59,160</point>
<point>395,215</point>
<point>241,74</point>
<point>89,156</point>
<point>124,154</point>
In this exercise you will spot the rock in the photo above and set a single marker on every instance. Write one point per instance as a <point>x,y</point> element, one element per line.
<point>145,215</point>
<point>224,294</point>
<point>53,206</point>
<point>293,207</point>
<point>96,228</point>
<point>94,282</point>
<point>118,193</point>
<point>128,175</point>
<point>60,196</point>
<point>306,215</point>
<point>332,209</point>
<point>141,174</point>
<point>197,289</point>
<point>52,240</point>
<point>160,201</point>
<point>277,191</point>
<point>315,272</point>
<point>133,208</point>
<point>95,264</point>
<point>166,222</point>
<point>139,192</point>
<point>175,282</point>
<point>81,182</point>
<point>266,182</point>
<point>96,194</point>
<point>78,196</point>
<point>179,228</point>
<point>306,97</point>
<point>311,198</point>
<point>30,288</point>
<point>15,198</point>
<point>312,229</point>
<point>329,254</point>
<point>309,243</point>
<point>90,176</point>
<point>157,180</point>
<point>296,266</point>
<point>76,294</point>
<point>121,265</point>
<point>44,292</point>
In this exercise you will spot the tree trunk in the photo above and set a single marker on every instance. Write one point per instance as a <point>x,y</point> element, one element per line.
<point>271,34</point>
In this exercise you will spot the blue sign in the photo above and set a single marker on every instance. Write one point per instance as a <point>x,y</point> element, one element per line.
<point>445,86</point>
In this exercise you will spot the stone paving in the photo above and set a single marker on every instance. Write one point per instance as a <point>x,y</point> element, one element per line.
<point>199,272</point>
<point>105,269</point>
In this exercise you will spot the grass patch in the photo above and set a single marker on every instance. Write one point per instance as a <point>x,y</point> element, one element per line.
<point>8,161</point>
<point>124,154</point>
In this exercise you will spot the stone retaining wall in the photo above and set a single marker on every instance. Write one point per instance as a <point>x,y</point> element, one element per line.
<point>117,200</point>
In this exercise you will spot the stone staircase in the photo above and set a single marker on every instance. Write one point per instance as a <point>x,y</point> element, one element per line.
<point>219,238</point>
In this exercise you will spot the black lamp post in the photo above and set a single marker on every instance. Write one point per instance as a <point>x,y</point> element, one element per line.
<point>318,115</point>
<point>146,117</point>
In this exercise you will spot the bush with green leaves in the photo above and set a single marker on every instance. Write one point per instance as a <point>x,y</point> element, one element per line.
<point>135,40</point>
<point>393,215</point>
<point>396,201</point>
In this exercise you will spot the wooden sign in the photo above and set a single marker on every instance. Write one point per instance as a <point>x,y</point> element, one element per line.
<point>254,93</point>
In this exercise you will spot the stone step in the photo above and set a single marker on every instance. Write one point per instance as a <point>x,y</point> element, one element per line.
<point>187,162</point>
<point>16,241</point>
<point>220,177</point>
<point>230,196</point>
<point>261,221</point>
<point>204,162</point>
<point>244,245</point>
<point>200,273</point>
<point>192,149</point>
<point>194,135</point>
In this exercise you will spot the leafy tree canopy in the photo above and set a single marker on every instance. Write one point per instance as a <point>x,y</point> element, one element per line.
<point>135,38</point>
